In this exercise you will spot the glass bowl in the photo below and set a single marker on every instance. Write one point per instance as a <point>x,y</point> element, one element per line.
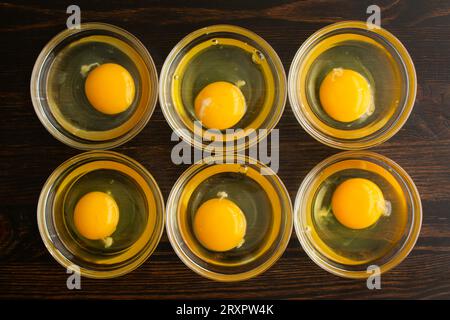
<point>134,190</point>
<point>264,201</point>
<point>58,78</point>
<point>405,212</point>
<point>374,53</point>
<point>185,69</point>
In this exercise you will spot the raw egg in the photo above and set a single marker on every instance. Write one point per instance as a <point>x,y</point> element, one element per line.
<point>220,225</point>
<point>96,215</point>
<point>220,105</point>
<point>346,95</point>
<point>110,88</point>
<point>358,203</point>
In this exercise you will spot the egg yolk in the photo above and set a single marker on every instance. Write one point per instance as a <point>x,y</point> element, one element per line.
<point>110,88</point>
<point>96,215</point>
<point>220,105</point>
<point>345,95</point>
<point>358,203</point>
<point>220,225</point>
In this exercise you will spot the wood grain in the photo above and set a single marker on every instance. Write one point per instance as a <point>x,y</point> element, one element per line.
<point>29,154</point>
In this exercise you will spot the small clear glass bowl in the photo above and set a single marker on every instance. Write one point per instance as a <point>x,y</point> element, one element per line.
<point>376,54</point>
<point>244,263</point>
<point>70,250</point>
<point>71,129</point>
<point>185,124</point>
<point>322,254</point>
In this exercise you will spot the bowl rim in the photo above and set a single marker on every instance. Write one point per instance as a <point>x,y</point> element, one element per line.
<point>186,40</point>
<point>42,214</point>
<point>93,145</point>
<point>171,221</point>
<point>385,132</point>
<point>300,214</point>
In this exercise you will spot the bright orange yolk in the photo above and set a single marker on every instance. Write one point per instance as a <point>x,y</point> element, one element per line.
<point>96,215</point>
<point>110,88</point>
<point>345,95</point>
<point>358,203</point>
<point>220,105</point>
<point>220,225</point>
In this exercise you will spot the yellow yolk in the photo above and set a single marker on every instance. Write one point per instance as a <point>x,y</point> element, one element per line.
<point>345,95</point>
<point>220,105</point>
<point>358,203</point>
<point>96,215</point>
<point>220,225</point>
<point>110,88</point>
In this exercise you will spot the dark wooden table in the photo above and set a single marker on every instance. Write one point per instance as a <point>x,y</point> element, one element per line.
<point>29,153</point>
